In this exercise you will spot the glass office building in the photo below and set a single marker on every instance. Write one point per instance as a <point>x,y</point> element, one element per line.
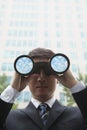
<point>60,25</point>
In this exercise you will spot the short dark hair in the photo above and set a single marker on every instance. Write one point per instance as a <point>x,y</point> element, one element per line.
<point>41,53</point>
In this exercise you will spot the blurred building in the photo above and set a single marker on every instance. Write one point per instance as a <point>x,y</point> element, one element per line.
<point>60,25</point>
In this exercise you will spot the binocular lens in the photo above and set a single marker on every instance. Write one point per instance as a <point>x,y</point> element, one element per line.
<point>23,65</point>
<point>59,63</point>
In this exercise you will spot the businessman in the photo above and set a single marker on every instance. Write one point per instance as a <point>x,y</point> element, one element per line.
<point>44,112</point>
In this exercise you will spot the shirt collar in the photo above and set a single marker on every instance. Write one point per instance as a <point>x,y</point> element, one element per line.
<point>50,102</point>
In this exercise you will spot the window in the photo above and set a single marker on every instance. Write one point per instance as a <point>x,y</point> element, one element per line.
<point>86,67</point>
<point>58,44</point>
<point>12,33</point>
<point>46,34</point>
<point>58,24</point>
<point>10,43</point>
<point>82,34</point>
<point>4,67</point>
<point>46,43</point>
<point>73,55</point>
<point>58,33</point>
<point>10,67</point>
<point>84,44</point>
<point>85,55</point>
<point>72,44</point>
<point>9,54</point>
<point>74,68</point>
<point>7,67</point>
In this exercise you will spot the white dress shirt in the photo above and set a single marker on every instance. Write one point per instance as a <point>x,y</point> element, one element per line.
<point>10,94</point>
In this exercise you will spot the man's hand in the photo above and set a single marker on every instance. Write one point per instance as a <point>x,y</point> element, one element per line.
<point>67,79</point>
<point>19,82</point>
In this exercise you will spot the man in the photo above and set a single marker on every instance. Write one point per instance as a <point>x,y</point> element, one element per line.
<point>42,87</point>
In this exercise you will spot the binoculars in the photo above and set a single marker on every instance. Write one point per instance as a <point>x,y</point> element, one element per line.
<point>58,64</point>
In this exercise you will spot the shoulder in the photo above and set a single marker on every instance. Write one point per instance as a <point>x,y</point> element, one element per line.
<point>15,113</point>
<point>75,111</point>
<point>15,117</point>
<point>73,114</point>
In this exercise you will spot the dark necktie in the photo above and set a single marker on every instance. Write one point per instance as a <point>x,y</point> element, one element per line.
<point>44,111</point>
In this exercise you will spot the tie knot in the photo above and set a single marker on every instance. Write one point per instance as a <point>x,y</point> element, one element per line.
<point>43,107</point>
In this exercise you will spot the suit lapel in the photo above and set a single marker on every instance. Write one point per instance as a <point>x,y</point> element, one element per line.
<point>31,111</point>
<point>55,113</point>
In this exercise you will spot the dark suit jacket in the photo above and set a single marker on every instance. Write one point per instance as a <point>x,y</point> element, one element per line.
<point>60,117</point>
